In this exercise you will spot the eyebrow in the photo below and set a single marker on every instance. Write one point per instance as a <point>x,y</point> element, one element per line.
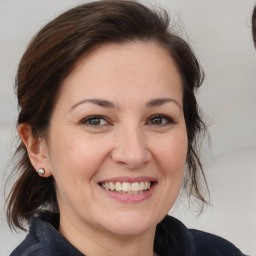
<point>99,102</point>
<point>161,101</point>
<point>109,104</point>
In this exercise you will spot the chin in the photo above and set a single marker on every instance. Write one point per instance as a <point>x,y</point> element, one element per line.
<point>133,224</point>
<point>128,230</point>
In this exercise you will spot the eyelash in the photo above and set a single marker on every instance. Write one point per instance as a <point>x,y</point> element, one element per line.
<point>88,119</point>
<point>99,118</point>
<point>161,117</point>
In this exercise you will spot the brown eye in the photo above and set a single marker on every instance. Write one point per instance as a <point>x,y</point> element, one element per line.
<point>160,120</point>
<point>95,121</point>
<point>157,120</point>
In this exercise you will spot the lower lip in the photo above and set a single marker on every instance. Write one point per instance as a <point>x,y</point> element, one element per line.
<point>130,198</point>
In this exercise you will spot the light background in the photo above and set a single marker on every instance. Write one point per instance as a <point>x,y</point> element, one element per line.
<point>220,33</point>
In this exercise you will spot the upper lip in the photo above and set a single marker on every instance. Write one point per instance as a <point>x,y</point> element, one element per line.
<point>129,179</point>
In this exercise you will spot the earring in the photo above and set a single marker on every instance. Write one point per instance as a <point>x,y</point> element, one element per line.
<point>41,171</point>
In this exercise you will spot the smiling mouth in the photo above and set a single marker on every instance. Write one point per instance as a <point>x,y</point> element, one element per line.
<point>127,187</point>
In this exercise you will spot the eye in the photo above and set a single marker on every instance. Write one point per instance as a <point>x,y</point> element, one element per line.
<point>95,121</point>
<point>160,120</point>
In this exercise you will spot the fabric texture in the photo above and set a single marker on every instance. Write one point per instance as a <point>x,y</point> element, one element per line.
<point>172,239</point>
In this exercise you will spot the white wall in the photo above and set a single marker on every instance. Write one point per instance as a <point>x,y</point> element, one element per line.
<point>220,33</point>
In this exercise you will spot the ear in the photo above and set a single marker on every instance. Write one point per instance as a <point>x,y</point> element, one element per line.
<point>37,149</point>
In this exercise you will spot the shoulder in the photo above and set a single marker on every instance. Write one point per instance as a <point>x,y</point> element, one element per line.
<point>194,242</point>
<point>207,242</point>
<point>34,243</point>
<point>44,238</point>
<point>29,247</point>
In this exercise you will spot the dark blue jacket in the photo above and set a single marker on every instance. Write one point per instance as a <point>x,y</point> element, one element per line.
<point>172,239</point>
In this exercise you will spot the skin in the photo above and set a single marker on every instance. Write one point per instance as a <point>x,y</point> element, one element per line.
<point>123,84</point>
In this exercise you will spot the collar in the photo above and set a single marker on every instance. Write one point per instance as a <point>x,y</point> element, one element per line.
<point>172,237</point>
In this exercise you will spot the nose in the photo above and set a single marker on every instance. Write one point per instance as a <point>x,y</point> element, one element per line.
<point>131,149</point>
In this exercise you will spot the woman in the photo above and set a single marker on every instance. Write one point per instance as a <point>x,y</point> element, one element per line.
<point>108,122</point>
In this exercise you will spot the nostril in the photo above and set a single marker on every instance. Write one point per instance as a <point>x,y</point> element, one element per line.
<point>131,149</point>
<point>131,161</point>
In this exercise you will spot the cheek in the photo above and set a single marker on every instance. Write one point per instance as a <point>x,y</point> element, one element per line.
<point>74,157</point>
<point>173,153</point>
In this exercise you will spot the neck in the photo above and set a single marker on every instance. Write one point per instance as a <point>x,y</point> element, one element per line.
<point>92,242</point>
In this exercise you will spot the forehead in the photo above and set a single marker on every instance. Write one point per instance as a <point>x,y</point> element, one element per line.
<point>119,68</point>
<point>124,54</point>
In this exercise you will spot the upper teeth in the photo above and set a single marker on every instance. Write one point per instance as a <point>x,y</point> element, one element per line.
<point>126,186</point>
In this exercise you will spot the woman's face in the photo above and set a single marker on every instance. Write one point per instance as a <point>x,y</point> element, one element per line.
<point>117,140</point>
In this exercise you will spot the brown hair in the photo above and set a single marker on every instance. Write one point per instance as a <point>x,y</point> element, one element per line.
<point>254,25</point>
<point>50,57</point>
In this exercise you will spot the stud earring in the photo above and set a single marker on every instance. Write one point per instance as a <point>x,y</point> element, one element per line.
<point>41,171</point>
